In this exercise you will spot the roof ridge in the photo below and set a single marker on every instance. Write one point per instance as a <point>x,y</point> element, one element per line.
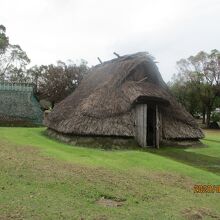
<point>125,57</point>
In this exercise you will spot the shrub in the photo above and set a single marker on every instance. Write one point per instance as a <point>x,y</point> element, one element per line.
<point>215,116</point>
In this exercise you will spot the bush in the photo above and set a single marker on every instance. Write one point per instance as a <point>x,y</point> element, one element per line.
<point>215,117</point>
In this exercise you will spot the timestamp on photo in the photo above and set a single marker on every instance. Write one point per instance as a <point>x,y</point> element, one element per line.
<point>206,188</point>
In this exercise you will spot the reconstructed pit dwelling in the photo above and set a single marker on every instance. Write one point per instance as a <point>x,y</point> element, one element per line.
<point>18,105</point>
<point>124,98</point>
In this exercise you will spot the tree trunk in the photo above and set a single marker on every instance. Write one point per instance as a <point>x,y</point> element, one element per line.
<point>203,115</point>
<point>208,116</point>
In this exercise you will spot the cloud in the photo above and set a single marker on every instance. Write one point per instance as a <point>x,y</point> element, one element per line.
<point>50,30</point>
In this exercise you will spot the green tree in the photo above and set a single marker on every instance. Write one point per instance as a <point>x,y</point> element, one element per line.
<point>3,39</point>
<point>13,60</point>
<point>187,95</point>
<point>200,75</point>
<point>55,82</point>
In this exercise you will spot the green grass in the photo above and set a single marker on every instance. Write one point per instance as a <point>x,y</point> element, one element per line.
<point>45,179</point>
<point>206,157</point>
<point>212,138</point>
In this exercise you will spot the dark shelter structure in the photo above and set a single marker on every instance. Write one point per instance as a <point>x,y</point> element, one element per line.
<point>18,105</point>
<point>124,97</point>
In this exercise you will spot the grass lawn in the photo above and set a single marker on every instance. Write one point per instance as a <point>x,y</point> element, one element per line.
<point>212,139</point>
<point>41,178</point>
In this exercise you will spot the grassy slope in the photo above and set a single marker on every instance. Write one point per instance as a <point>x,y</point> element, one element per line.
<point>212,139</point>
<point>42,178</point>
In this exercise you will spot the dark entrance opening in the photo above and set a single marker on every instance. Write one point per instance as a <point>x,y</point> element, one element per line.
<point>151,128</point>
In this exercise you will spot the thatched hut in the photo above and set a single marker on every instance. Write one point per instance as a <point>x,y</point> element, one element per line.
<point>18,105</point>
<point>124,97</point>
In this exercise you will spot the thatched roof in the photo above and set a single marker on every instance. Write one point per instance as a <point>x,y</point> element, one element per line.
<point>104,101</point>
<point>18,104</point>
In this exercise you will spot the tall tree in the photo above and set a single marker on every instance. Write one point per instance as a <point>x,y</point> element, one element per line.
<point>55,82</point>
<point>3,39</point>
<point>13,60</point>
<point>201,73</point>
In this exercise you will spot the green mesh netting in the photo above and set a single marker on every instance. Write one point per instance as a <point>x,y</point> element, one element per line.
<point>17,103</point>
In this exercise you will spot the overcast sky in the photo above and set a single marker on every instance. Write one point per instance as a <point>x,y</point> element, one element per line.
<point>51,30</point>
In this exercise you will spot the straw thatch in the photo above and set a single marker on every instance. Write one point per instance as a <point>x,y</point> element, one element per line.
<point>103,103</point>
<point>18,105</point>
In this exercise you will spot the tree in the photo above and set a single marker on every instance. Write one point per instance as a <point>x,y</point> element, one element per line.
<point>13,60</point>
<point>36,75</point>
<point>3,39</point>
<point>201,74</point>
<point>55,82</point>
<point>187,94</point>
<point>52,82</point>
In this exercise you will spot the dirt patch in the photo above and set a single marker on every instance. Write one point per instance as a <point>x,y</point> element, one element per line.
<point>110,201</point>
<point>177,180</point>
<point>169,179</point>
<point>197,214</point>
<point>11,216</point>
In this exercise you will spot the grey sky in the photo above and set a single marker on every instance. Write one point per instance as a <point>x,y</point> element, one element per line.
<point>51,30</point>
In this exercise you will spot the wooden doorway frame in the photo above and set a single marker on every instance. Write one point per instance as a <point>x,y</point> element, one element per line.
<point>141,125</point>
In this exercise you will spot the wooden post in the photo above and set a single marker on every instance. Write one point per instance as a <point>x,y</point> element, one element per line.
<point>141,124</point>
<point>116,54</point>
<point>99,60</point>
